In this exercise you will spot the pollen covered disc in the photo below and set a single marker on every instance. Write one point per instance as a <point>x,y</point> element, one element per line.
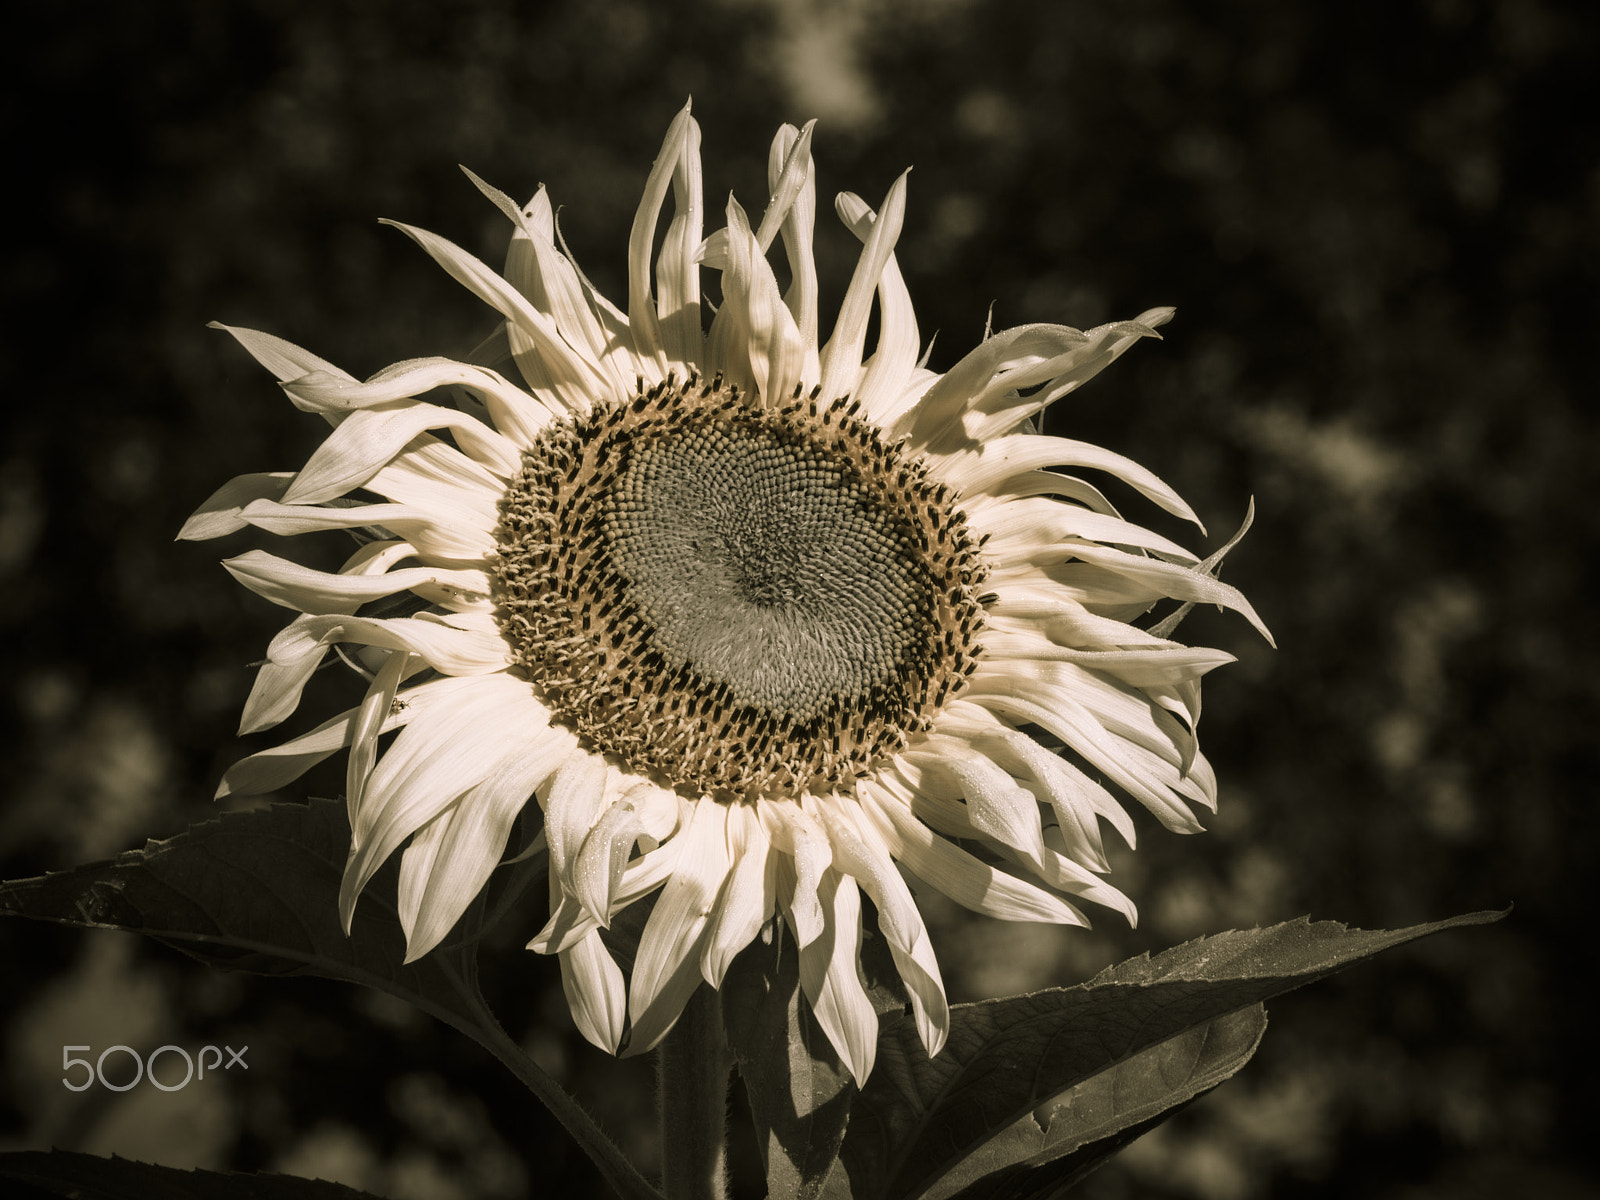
<point>736,598</point>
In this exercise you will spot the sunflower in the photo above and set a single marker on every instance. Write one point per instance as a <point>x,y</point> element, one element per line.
<point>760,623</point>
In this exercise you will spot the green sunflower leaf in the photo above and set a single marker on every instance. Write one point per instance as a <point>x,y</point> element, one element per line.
<point>1040,1087</point>
<point>800,1099</point>
<point>258,891</point>
<point>86,1177</point>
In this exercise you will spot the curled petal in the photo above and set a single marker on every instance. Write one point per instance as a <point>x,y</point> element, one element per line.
<point>841,357</point>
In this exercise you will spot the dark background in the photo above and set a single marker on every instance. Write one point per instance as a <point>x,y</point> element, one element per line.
<point>1379,226</point>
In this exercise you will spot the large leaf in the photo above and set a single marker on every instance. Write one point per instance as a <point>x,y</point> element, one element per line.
<point>1060,1142</point>
<point>258,891</point>
<point>800,1099</point>
<point>919,1119</point>
<point>85,1177</point>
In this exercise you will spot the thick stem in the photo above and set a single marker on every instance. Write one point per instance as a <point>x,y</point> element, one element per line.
<point>693,1067</point>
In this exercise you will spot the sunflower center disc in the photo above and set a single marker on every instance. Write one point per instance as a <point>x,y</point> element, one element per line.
<point>736,598</point>
<point>761,565</point>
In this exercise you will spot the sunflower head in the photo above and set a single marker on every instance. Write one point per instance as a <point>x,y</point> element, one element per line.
<point>758,620</point>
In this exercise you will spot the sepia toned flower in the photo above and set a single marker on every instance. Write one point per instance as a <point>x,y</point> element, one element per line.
<point>760,620</point>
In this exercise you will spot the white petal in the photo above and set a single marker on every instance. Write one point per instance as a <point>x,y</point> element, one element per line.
<point>570,921</point>
<point>682,139</point>
<point>273,768</point>
<point>544,357</point>
<point>439,478</point>
<point>437,531</point>
<point>753,318</point>
<point>1003,459</point>
<point>310,591</point>
<point>997,806</point>
<point>1037,529</point>
<point>841,357</point>
<point>864,856</point>
<point>1027,596</point>
<point>371,438</point>
<point>748,897</point>
<point>806,842</point>
<point>295,653</point>
<point>1032,483</point>
<point>284,359</point>
<point>677,273</point>
<point>437,757</point>
<point>999,410</point>
<point>570,809</point>
<point>829,977</point>
<point>791,153</point>
<point>883,386</point>
<point>1155,666</point>
<point>621,358</point>
<point>1161,579</point>
<point>1142,774</point>
<point>788,168</point>
<point>551,283</point>
<point>995,362</point>
<point>967,880</point>
<point>219,515</point>
<point>666,971</point>
<point>514,411</point>
<point>596,873</point>
<point>451,857</point>
<point>374,709</point>
<point>595,992</point>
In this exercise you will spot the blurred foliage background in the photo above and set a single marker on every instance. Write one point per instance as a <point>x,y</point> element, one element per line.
<point>1379,226</point>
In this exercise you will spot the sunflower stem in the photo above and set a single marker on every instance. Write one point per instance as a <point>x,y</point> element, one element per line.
<point>693,1065</point>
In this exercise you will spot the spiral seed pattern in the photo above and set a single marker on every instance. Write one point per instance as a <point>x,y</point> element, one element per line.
<point>735,598</point>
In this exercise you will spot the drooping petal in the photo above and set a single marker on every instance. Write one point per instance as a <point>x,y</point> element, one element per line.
<point>570,808</point>
<point>830,980</point>
<point>595,991</point>
<point>667,968</point>
<point>596,872</point>
<point>806,843</point>
<point>371,713</point>
<point>748,896</point>
<point>451,857</point>
<point>570,920</point>
<point>863,855</point>
<point>438,757</point>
